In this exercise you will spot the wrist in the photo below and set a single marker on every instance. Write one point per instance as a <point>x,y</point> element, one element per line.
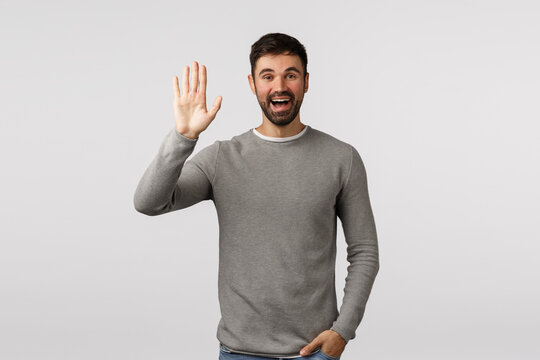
<point>338,334</point>
<point>188,134</point>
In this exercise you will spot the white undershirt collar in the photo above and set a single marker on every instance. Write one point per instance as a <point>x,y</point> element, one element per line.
<point>279,139</point>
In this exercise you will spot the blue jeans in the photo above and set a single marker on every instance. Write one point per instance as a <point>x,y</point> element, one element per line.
<point>226,354</point>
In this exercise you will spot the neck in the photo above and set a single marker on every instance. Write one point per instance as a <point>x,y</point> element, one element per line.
<point>267,128</point>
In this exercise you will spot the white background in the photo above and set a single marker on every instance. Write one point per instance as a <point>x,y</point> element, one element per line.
<point>439,97</point>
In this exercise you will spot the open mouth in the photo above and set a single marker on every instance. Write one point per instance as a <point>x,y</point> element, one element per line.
<point>282,104</point>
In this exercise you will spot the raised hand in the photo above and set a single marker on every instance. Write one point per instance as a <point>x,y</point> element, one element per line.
<point>190,114</point>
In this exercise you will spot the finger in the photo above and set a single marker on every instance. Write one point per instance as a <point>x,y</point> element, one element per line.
<point>216,106</point>
<point>202,84</point>
<point>194,77</point>
<point>176,87</point>
<point>185,81</point>
<point>311,346</point>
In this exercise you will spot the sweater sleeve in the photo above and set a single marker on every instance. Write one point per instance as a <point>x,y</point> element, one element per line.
<point>354,210</point>
<point>171,182</point>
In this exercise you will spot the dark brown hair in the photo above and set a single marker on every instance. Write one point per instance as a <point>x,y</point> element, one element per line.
<point>277,43</point>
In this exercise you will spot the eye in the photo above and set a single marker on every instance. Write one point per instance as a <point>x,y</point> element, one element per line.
<point>266,77</point>
<point>292,76</point>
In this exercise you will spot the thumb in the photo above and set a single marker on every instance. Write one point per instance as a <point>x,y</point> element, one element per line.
<point>216,106</point>
<point>310,347</point>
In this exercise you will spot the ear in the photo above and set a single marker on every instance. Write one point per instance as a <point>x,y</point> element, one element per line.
<point>306,83</point>
<point>252,84</point>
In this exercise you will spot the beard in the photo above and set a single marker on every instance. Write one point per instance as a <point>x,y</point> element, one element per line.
<point>281,118</point>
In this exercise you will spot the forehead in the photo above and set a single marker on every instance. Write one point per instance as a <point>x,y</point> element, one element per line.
<point>278,62</point>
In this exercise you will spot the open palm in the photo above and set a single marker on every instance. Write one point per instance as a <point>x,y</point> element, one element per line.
<point>190,113</point>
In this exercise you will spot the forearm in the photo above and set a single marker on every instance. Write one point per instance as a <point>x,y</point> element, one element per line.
<point>154,194</point>
<point>363,256</point>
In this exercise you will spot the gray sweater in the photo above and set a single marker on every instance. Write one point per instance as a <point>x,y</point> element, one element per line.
<point>277,205</point>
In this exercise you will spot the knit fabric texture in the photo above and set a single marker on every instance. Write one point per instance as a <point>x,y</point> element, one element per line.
<point>277,205</point>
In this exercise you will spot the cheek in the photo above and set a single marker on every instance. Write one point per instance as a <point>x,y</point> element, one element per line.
<point>298,89</point>
<point>262,93</point>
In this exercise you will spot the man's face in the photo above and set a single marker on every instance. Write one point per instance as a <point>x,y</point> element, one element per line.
<point>279,77</point>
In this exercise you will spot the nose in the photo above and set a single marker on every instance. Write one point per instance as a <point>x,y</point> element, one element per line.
<point>280,84</point>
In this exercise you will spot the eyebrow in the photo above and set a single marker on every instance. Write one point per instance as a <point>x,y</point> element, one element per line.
<point>292,68</point>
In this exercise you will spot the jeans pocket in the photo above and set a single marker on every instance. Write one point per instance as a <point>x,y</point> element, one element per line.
<point>224,349</point>
<point>328,356</point>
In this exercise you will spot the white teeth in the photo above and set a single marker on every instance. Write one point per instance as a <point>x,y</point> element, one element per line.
<point>280,100</point>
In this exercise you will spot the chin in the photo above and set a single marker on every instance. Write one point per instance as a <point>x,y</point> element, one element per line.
<point>281,120</point>
<point>280,123</point>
